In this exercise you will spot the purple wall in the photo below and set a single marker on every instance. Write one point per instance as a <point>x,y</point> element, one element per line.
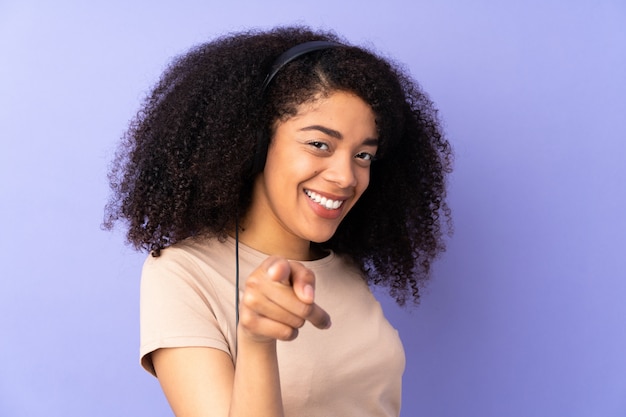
<point>525,315</point>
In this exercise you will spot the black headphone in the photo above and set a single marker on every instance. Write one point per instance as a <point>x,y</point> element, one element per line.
<point>286,57</point>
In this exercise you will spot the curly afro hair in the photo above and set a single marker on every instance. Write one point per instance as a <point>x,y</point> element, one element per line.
<point>184,167</point>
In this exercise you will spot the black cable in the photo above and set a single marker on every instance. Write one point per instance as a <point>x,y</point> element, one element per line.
<point>236,278</point>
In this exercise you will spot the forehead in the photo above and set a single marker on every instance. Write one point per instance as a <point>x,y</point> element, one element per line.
<point>340,111</point>
<point>330,103</point>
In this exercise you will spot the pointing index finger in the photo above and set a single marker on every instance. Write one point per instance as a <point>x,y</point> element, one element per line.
<point>278,269</point>
<point>303,281</point>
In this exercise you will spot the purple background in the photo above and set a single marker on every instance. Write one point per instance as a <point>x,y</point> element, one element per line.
<point>525,315</point>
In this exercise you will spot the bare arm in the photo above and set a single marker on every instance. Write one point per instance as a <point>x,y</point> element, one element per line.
<point>278,299</point>
<point>196,381</point>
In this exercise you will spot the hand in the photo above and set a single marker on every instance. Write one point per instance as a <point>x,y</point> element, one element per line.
<point>279,298</point>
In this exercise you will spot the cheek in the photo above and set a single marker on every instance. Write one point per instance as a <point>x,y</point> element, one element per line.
<point>277,166</point>
<point>363,181</point>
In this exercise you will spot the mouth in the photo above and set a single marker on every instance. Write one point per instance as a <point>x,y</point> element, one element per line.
<point>327,203</point>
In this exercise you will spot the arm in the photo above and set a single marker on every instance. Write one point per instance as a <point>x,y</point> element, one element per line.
<point>278,298</point>
<point>197,381</point>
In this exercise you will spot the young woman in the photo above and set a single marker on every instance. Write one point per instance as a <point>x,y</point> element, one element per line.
<point>273,176</point>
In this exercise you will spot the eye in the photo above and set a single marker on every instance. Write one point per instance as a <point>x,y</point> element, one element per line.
<point>365,156</point>
<point>319,145</point>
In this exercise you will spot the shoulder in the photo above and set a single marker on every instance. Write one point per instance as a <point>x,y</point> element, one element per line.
<point>188,253</point>
<point>192,261</point>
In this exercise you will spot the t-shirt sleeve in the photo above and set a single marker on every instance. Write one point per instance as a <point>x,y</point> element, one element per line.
<point>176,309</point>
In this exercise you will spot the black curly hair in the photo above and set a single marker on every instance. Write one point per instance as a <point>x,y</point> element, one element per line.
<point>183,168</point>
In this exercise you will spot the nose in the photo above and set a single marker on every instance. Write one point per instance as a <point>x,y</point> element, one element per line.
<point>341,171</point>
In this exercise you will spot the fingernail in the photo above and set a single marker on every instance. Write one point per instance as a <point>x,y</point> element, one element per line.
<point>309,292</point>
<point>271,269</point>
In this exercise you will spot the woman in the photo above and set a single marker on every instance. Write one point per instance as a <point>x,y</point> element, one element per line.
<point>273,176</point>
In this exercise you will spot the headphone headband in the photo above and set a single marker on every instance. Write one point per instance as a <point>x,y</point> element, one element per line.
<point>286,57</point>
<point>293,53</point>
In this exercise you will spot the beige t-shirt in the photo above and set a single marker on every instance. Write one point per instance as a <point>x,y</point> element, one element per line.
<point>352,369</point>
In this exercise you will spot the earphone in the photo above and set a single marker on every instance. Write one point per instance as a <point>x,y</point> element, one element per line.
<point>283,59</point>
<point>293,53</point>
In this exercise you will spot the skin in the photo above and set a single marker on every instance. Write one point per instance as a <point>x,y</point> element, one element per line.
<point>326,148</point>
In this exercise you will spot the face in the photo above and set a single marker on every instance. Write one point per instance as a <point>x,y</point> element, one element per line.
<point>317,168</point>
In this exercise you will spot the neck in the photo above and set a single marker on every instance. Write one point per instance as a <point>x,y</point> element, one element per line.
<point>294,249</point>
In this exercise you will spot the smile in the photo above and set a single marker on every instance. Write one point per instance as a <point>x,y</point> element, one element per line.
<point>327,203</point>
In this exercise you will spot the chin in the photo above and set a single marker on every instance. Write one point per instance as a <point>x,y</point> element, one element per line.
<point>322,237</point>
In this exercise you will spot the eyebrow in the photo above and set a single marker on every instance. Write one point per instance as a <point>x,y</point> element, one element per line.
<point>336,134</point>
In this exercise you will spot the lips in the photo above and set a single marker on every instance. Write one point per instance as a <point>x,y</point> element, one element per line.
<point>325,202</point>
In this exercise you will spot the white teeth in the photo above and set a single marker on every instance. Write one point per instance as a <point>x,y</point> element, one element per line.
<point>327,203</point>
